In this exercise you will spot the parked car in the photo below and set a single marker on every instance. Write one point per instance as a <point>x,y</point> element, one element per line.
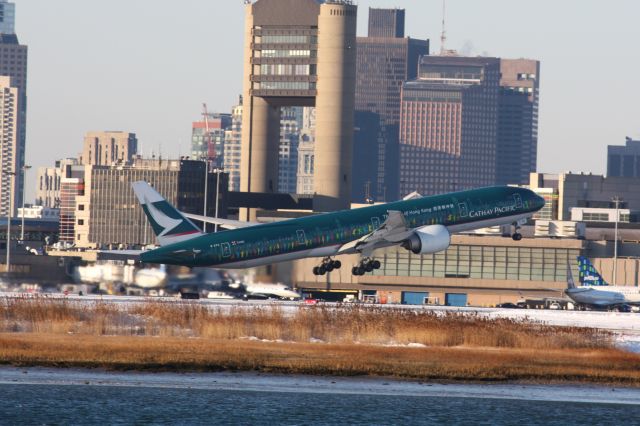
<point>509,305</point>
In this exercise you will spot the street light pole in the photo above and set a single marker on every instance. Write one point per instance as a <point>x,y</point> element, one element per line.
<point>24,179</point>
<point>11,174</point>
<point>215,226</point>
<point>206,192</point>
<point>616,200</point>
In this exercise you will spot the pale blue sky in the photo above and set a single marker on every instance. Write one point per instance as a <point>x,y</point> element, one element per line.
<point>146,66</point>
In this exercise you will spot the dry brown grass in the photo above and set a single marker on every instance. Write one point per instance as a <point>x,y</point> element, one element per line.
<point>347,324</point>
<point>357,340</point>
<point>179,354</point>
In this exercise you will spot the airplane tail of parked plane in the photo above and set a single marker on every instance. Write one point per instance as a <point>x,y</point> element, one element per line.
<point>169,225</point>
<point>570,282</point>
<point>589,275</point>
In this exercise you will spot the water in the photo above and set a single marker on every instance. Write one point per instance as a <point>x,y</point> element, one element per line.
<point>61,397</point>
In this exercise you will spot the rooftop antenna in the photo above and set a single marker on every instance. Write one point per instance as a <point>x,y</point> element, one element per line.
<point>443,35</point>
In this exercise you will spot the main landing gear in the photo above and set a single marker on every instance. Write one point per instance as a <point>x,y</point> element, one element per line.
<point>366,265</point>
<point>327,265</point>
<point>516,236</point>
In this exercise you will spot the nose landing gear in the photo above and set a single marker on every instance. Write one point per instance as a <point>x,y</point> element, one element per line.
<point>516,236</point>
<point>327,265</point>
<point>365,265</point>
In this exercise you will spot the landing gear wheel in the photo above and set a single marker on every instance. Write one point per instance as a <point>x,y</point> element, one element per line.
<point>376,264</point>
<point>517,236</point>
<point>322,270</point>
<point>329,266</point>
<point>354,270</point>
<point>336,264</point>
<point>368,266</point>
<point>361,270</point>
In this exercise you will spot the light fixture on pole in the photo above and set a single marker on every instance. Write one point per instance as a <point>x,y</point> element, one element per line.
<point>24,179</point>
<point>11,174</point>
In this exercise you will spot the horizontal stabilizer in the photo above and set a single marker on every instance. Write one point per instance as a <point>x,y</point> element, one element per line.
<point>225,223</point>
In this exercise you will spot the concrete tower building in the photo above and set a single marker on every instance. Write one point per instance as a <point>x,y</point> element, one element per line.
<point>299,53</point>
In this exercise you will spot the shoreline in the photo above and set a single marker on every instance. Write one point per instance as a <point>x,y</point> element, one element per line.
<point>280,383</point>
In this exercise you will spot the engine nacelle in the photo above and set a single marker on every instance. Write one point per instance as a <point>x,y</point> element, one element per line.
<point>428,239</point>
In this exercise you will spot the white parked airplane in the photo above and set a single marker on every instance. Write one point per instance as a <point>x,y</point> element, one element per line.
<point>594,291</point>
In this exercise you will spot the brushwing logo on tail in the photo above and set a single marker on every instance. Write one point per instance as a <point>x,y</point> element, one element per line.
<point>161,223</point>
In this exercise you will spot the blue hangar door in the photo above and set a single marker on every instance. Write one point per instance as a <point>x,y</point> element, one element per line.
<point>455,299</point>
<point>414,297</point>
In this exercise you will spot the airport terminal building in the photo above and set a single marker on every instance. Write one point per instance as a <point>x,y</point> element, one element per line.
<point>475,270</point>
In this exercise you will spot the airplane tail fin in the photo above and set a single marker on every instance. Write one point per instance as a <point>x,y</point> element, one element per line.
<point>589,275</point>
<point>169,225</point>
<point>570,282</point>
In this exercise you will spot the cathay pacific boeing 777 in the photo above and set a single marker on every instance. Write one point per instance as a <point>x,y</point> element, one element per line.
<point>421,225</point>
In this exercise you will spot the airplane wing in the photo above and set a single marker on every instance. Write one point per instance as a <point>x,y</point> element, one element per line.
<point>226,223</point>
<point>130,256</point>
<point>393,231</point>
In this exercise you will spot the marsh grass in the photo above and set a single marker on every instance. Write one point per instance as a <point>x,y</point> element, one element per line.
<point>347,324</point>
<point>356,340</point>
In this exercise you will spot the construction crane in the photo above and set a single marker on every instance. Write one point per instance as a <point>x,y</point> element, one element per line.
<point>211,147</point>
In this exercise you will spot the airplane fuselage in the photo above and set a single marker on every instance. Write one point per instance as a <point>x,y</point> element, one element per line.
<point>324,234</point>
<point>604,295</point>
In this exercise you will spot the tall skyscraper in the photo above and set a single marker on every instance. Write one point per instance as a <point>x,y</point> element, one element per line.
<point>107,148</point>
<point>13,64</point>
<point>9,137</point>
<point>624,160</point>
<point>518,120</point>
<point>386,23</point>
<point>385,60</point>
<point>299,53</point>
<point>306,152</point>
<point>211,145</point>
<point>232,147</point>
<point>7,17</point>
<point>468,122</point>
<point>449,124</point>
<point>288,156</point>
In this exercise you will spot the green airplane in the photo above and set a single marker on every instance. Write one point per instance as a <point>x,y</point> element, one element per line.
<point>421,225</point>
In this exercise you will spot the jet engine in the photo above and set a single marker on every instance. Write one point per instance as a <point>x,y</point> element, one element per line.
<point>428,239</point>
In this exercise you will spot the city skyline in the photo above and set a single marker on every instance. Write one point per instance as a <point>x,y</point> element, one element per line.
<point>152,83</point>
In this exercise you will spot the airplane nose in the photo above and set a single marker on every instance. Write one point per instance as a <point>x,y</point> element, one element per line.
<point>539,202</point>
